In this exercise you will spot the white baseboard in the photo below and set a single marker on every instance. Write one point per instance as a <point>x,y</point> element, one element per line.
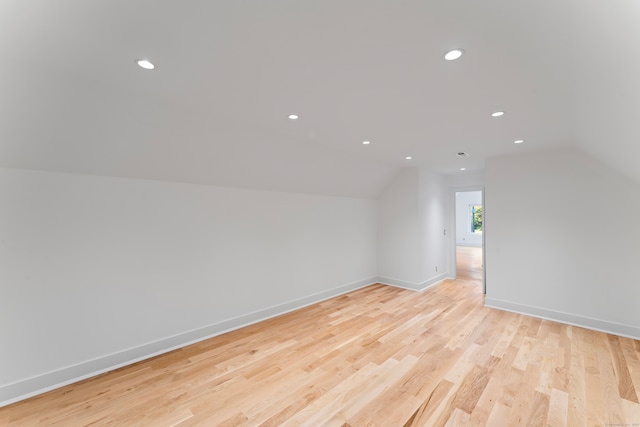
<point>411,285</point>
<point>20,390</point>
<point>568,318</point>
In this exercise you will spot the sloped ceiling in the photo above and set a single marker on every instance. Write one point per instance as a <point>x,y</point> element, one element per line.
<point>229,72</point>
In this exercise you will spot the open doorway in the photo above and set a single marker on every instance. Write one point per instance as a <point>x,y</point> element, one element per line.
<point>469,235</point>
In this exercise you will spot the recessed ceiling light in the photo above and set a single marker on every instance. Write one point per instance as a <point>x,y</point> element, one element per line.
<point>453,54</point>
<point>518,141</point>
<point>293,116</point>
<point>146,64</point>
<point>497,114</point>
<point>463,169</point>
<point>366,142</point>
<point>408,158</point>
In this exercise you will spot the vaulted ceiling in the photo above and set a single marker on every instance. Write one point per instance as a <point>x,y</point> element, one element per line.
<point>229,72</point>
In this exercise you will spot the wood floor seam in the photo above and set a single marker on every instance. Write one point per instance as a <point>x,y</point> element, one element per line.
<point>377,356</point>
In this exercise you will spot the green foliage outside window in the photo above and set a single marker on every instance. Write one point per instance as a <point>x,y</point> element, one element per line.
<point>476,218</point>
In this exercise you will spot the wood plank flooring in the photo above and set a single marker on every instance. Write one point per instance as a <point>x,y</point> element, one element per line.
<point>468,263</point>
<point>379,356</point>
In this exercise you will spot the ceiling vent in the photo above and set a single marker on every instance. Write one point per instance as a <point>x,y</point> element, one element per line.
<point>463,154</point>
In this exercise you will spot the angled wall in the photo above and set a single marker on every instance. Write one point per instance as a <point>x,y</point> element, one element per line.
<point>98,272</point>
<point>562,240</point>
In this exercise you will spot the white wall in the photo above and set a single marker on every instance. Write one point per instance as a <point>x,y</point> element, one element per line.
<point>412,217</point>
<point>97,271</point>
<point>434,214</point>
<point>464,236</point>
<point>399,225</point>
<point>562,243</point>
<point>465,179</point>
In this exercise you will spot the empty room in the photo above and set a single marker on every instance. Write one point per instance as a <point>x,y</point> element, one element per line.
<point>309,213</point>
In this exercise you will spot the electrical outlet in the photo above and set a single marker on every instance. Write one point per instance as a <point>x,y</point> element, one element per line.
<point>436,268</point>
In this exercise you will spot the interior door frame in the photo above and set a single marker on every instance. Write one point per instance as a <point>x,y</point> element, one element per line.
<point>452,227</point>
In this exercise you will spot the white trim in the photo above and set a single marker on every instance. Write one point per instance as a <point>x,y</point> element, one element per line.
<point>412,286</point>
<point>614,328</point>
<point>20,390</point>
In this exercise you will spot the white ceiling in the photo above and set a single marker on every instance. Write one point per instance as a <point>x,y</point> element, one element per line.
<point>229,73</point>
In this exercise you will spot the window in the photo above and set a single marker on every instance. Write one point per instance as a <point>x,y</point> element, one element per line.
<point>476,218</point>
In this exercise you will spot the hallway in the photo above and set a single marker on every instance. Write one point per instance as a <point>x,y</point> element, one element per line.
<point>468,263</point>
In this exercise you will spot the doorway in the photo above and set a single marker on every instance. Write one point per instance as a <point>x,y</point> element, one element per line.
<point>468,239</point>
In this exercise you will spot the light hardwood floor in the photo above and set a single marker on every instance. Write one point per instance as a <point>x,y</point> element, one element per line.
<point>379,356</point>
<point>468,263</point>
